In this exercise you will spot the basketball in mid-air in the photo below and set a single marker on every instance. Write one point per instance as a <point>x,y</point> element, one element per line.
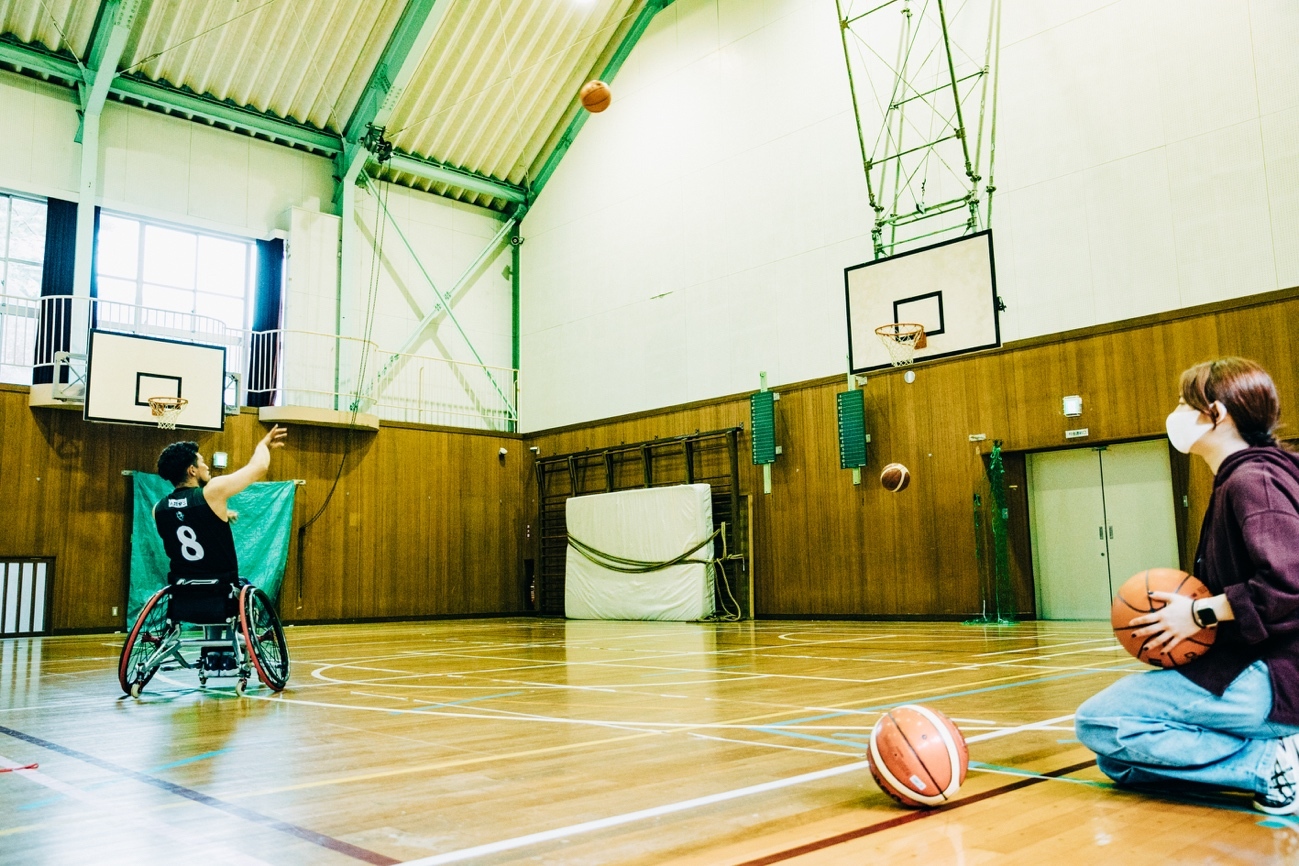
<point>895,477</point>
<point>1133,600</point>
<point>595,96</point>
<point>917,756</point>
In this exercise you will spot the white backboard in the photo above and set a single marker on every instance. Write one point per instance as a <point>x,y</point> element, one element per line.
<point>123,371</point>
<point>950,288</point>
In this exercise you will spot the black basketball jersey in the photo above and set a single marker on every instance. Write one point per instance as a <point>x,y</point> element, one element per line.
<point>198,543</point>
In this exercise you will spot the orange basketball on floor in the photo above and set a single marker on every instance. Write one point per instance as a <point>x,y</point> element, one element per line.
<point>917,756</point>
<point>895,477</point>
<point>1134,600</point>
<point>595,96</point>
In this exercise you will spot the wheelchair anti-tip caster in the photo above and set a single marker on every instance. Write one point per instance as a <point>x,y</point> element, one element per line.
<point>241,687</point>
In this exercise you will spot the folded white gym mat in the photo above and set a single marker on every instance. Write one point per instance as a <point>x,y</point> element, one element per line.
<point>651,525</point>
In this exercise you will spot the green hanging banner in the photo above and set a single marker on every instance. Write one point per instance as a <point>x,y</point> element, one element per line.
<point>261,537</point>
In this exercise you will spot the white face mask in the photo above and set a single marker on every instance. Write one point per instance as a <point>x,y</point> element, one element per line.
<point>1185,428</point>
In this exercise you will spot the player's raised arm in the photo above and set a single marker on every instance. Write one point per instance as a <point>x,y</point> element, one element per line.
<point>220,489</point>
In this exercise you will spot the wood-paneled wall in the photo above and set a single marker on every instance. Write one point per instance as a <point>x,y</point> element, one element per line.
<point>825,547</point>
<point>430,522</point>
<point>424,522</point>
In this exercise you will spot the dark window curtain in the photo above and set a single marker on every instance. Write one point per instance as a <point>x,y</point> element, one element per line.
<point>264,357</point>
<point>54,328</point>
<point>94,273</point>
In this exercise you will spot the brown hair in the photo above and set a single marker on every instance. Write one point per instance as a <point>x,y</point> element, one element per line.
<point>1244,388</point>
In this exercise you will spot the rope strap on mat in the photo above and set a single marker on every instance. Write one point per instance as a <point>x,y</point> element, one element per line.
<point>637,566</point>
<point>626,565</point>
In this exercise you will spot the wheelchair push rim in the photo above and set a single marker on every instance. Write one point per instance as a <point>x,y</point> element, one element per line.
<point>264,638</point>
<point>148,634</point>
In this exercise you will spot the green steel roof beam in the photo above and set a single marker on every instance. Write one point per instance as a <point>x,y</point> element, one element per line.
<point>406,46</point>
<point>249,121</point>
<point>467,181</point>
<point>169,98</point>
<point>113,24</point>
<point>410,39</point>
<point>41,62</point>
<point>629,40</point>
<point>229,114</point>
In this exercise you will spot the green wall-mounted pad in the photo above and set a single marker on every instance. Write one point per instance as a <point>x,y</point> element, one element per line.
<point>852,429</point>
<point>762,426</point>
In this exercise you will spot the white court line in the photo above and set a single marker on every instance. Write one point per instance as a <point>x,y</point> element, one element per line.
<point>670,808</point>
<point>638,665</point>
<point>1036,726</point>
<point>631,817</point>
<point>1029,649</point>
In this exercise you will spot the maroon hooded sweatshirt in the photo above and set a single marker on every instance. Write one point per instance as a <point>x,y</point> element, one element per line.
<point>1249,549</point>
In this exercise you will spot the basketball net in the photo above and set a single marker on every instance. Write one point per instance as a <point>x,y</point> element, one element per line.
<point>902,339</point>
<point>167,410</point>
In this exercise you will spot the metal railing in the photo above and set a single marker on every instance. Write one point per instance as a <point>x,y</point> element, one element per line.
<point>282,367</point>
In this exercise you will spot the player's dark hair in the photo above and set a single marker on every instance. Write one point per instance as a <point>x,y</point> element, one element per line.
<point>1244,388</point>
<point>175,460</point>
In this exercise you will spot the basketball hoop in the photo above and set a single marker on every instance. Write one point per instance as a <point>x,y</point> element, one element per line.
<point>167,410</point>
<point>902,339</point>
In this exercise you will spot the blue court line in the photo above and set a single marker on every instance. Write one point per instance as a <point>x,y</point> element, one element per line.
<point>36,804</point>
<point>426,707</point>
<point>184,761</point>
<point>1015,771</point>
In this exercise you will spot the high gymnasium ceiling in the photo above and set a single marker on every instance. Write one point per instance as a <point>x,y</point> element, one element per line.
<point>490,95</point>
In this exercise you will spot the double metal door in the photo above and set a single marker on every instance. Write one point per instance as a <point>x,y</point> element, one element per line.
<point>1098,516</point>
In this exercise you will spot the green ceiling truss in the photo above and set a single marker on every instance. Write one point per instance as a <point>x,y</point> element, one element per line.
<point>402,54</point>
<point>415,27</point>
<point>113,22</point>
<point>164,97</point>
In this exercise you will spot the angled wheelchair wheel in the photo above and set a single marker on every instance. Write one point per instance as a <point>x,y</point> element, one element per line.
<point>147,635</point>
<point>264,637</point>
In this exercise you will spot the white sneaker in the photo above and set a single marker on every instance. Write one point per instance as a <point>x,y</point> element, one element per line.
<point>1282,797</point>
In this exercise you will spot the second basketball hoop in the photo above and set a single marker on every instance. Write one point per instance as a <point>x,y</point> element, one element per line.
<point>902,339</point>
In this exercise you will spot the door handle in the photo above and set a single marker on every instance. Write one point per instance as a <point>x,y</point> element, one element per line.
<point>1111,532</point>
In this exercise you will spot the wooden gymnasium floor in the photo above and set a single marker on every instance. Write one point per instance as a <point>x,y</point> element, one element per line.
<point>536,741</point>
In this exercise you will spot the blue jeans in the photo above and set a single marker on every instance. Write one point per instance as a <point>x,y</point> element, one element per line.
<point>1158,727</point>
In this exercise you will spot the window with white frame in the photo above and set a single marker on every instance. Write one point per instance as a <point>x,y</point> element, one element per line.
<point>178,270</point>
<point>22,250</point>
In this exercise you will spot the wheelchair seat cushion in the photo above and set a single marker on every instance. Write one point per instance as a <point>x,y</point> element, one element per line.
<point>204,601</point>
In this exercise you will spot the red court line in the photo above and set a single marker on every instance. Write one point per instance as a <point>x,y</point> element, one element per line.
<point>831,841</point>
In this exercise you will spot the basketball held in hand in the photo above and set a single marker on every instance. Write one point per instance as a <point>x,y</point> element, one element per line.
<point>895,477</point>
<point>1133,600</point>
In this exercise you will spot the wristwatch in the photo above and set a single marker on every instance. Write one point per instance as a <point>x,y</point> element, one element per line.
<point>1204,617</point>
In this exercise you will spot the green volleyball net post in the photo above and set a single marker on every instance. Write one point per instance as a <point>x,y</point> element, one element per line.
<point>991,516</point>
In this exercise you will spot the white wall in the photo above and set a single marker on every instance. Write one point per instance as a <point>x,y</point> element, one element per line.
<point>447,237</point>
<point>696,233</point>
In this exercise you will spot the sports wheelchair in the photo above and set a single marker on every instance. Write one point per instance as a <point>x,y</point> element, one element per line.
<point>240,633</point>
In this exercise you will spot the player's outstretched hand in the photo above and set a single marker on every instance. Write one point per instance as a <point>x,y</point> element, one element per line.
<point>275,438</point>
